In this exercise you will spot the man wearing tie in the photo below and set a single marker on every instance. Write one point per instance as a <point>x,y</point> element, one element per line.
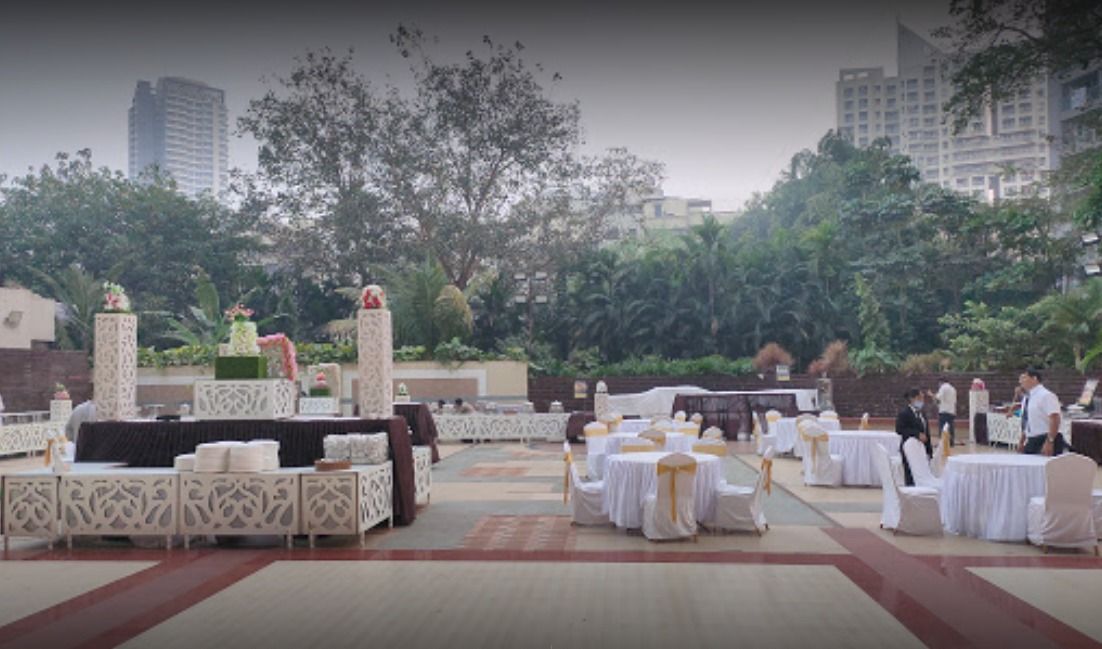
<point>911,422</point>
<point>1040,417</point>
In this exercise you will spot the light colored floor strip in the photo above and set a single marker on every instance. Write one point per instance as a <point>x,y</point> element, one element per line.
<point>27,587</point>
<point>474,604</point>
<point>1069,595</point>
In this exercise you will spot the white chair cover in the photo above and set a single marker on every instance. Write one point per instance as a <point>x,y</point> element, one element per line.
<point>740,508</point>
<point>585,497</point>
<point>596,437</point>
<point>1063,517</point>
<point>911,510</point>
<point>766,438</point>
<point>828,414</point>
<point>712,432</point>
<point>667,515</point>
<point>1097,510</point>
<point>820,467</point>
<point>920,464</point>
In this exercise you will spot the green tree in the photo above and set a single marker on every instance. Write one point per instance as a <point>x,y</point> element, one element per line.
<point>81,296</point>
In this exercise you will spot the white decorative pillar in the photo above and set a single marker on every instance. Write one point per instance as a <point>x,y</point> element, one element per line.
<point>376,363</point>
<point>60,410</point>
<point>600,401</point>
<point>978,401</point>
<point>115,379</point>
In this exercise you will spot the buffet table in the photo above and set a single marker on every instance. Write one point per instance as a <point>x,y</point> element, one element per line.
<point>496,428</point>
<point>732,411</point>
<point>157,443</point>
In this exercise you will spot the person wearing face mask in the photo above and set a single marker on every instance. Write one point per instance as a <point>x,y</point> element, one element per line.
<point>911,422</point>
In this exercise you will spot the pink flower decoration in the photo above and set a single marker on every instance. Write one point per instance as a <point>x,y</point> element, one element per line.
<point>374,297</point>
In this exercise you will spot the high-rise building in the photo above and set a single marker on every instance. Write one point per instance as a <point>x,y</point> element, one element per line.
<point>1001,154</point>
<point>181,127</point>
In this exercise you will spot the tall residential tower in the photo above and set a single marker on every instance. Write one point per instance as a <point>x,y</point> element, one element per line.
<point>181,127</point>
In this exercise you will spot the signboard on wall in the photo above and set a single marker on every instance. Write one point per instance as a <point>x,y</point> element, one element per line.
<point>783,373</point>
<point>580,389</point>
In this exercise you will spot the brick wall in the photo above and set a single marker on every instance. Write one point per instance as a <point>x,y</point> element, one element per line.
<point>880,396</point>
<point>27,377</point>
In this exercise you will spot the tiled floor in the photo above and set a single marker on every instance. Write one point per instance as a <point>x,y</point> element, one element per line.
<point>494,561</point>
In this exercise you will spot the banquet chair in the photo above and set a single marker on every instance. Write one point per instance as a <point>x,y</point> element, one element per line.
<point>711,447</point>
<point>712,432</point>
<point>828,415</point>
<point>655,436</point>
<point>670,513</point>
<point>941,453</point>
<point>765,435</point>
<point>641,446</point>
<point>596,439</point>
<point>820,467</point>
<point>680,416</point>
<point>1063,517</point>
<point>697,419</point>
<point>920,464</point>
<point>687,428</point>
<point>911,510</point>
<point>739,508</point>
<point>662,425</point>
<point>585,497</point>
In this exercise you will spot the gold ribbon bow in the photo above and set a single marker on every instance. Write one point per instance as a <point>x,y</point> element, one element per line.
<point>864,422</point>
<point>60,440</point>
<point>946,448</point>
<point>767,475</point>
<point>567,459</point>
<point>673,470</point>
<point>813,449</point>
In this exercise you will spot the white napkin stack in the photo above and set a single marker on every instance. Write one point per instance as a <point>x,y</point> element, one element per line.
<point>213,457</point>
<point>246,458</point>
<point>185,462</point>
<point>270,449</point>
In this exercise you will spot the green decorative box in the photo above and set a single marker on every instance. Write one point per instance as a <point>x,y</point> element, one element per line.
<point>240,367</point>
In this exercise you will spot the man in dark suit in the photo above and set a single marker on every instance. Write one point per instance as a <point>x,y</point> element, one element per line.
<point>911,422</point>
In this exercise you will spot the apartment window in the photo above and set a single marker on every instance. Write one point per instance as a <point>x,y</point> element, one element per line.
<point>1023,93</point>
<point>863,116</point>
<point>977,181</point>
<point>1025,107</point>
<point>863,91</point>
<point>863,128</point>
<point>1008,122</point>
<point>929,96</point>
<point>929,121</point>
<point>928,84</point>
<point>912,96</point>
<point>912,83</point>
<point>1008,109</point>
<point>862,103</point>
<point>1025,121</point>
<point>891,102</point>
<point>849,104</point>
<point>890,89</point>
<point>848,92</point>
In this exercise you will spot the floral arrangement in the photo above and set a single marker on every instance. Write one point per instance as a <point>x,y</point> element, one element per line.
<point>238,313</point>
<point>978,384</point>
<point>374,297</point>
<point>115,299</point>
<point>280,347</point>
<point>321,386</point>
<point>60,393</point>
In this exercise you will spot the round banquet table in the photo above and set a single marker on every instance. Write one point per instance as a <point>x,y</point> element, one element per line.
<point>856,449</point>
<point>632,477</point>
<point>987,496</point>
<point>633,426</point>
<point>788,440</point>
<point>675,442</point>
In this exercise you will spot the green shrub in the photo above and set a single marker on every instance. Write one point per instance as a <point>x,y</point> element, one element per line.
<point>933,362</point>
<point>873,360</point>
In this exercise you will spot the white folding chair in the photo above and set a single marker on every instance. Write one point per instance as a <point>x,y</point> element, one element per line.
<point>820,467</point>
<point>920,464</point>
<point>740,508</point>
<point>670,513</point>
<point>1063,517</point>
<point>911,510</point>
<point>585,497</point>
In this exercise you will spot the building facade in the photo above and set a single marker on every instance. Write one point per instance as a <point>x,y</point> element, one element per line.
<point>181,127</point>
<point>1001,154</point>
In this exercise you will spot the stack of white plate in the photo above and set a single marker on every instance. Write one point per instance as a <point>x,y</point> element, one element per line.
<point>185,462</point>
<point>213,457</point>
<point>337,447</point>
<point>270,449</point>
<point>246,458</point>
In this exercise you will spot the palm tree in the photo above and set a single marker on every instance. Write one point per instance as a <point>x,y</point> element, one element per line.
<point>81,297</point>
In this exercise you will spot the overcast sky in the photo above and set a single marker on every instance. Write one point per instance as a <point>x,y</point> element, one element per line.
<point>722,94</point>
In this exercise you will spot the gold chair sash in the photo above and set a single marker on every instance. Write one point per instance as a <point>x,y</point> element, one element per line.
<point>864,422</point>
<point>673,470</point>
<point>568,459</point>
<point>719,450</point>
<point>600,430</point>
<point>946,447</point>
<point>659,438</point>
<point>767,475</point>
<point>638,448</point>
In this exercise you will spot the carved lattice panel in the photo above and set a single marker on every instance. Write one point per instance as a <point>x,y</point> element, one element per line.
<point>115,378</point>
<point>422,473</point>
<point>249,399</point>
<point>30,506</point>
<point>25,438</point>
<point>329,503</point>
<point>376,495</point>
<point>120,504</point>
<point>230,504</point>
<point>376,363</point>
<point>318,406</point>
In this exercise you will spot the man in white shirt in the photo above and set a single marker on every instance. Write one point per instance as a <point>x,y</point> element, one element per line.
<point>1040,417</point>
<point>946,398</point>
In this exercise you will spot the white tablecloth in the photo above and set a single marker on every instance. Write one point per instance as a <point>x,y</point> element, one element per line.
<point>856,449</point>
<point>634,426</point>
<point>788,439</point>
<point>987,495</point>
<point>630,478</point>
<point>675,442</point>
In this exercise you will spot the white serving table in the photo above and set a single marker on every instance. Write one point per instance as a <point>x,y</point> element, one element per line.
<point>630,478</point>
<point>987,495</point>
